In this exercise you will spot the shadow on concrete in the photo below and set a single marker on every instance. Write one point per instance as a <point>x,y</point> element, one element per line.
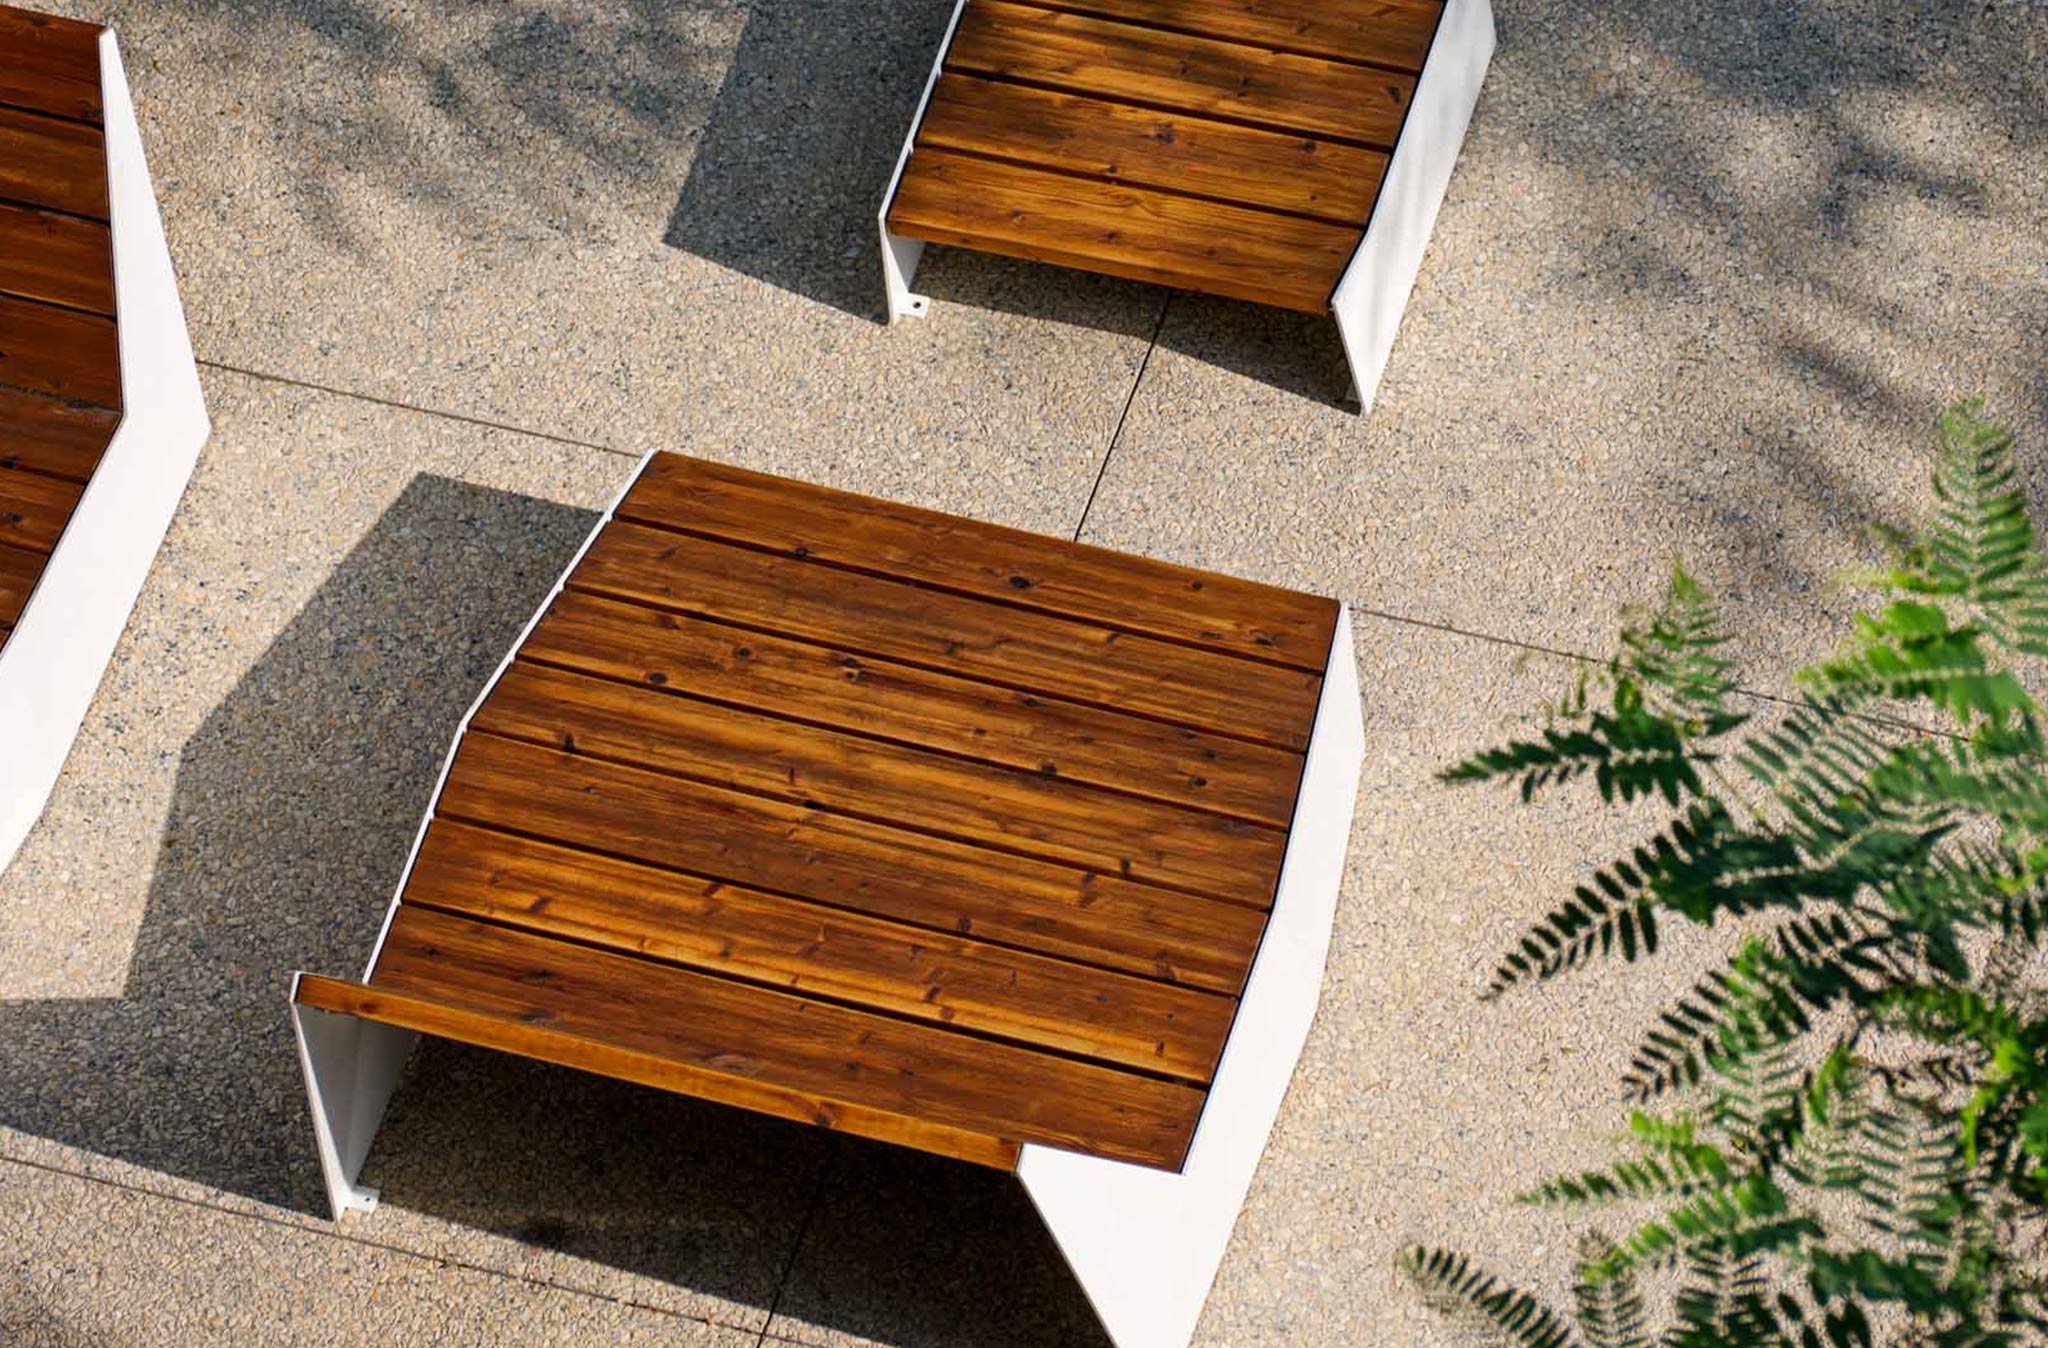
<point>294,807</point>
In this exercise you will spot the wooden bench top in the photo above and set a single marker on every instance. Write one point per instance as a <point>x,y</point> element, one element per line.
<point>60,369</point>
<point>867,816</point>
<point>1234,147</point>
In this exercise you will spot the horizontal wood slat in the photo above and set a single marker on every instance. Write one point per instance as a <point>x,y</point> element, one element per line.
<point>33,508</point>
<point>910,788</point>
<point>1119,230</point>
<point>59,259</point>
<point>867,867</point>
<point>50,64</point>
<point>59,351</point>
<point>52,436</point>
<point>1074,133</point>
<point>19,569</point>
<point>51,163</point>
<point>985,560</point>
<point>811,949</point>
<point>1393,33</point>
<point>1030,651</point>
<point>516,1034</point>
<point>837,688</point>
<point>1175,71</point>
<point>836,1055</point>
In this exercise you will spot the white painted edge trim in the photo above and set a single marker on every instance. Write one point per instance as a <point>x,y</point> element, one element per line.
<point>351,1072</point>
<point>1145,1244</point>
<point>52,665</point>
<point>900,256</point>
<point>1374,290</point>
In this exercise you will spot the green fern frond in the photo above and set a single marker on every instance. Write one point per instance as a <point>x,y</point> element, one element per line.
<point>1676,653</point>
<point>1501,1313</point>
<point>1611,1311</point>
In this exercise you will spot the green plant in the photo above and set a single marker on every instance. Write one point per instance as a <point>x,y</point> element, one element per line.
<point>1858,1148</point>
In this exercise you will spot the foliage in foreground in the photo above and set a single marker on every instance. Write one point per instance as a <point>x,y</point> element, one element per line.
<point>1852,1144</point>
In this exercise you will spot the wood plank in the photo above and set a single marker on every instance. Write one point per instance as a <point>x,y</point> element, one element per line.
<point>50,64</point>
<point>1393,33</point>
<point>852,775</point>
<point>19,569</point>
<point>1027,651</point>
<point>59,351</point>
<point>987,561</point>
<point>1078,134</point>
<point>1133,232</point>
<point>1159,69</point>
<point>837,688</point>
<point>514,1034</point>
<point>34,509</point>
<point>56,258</point>
<point>837,1055</point>
<point>51,435</point>
<point>849,863</point>
<point>810,949</point>
<point>51,163</point>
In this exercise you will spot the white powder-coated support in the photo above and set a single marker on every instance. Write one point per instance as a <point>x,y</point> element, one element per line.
<point>351,1066</point>
<point>1374,289</point>
<point>900,256</point>
<point>1145,1244</point>
<point>52,664</point>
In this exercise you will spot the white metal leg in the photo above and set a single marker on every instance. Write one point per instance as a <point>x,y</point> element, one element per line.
<point>51,665</point>
<point>352,1067</point>
<point>900,256</point>
<point>1374,289</point>
<point>1145,1244</point>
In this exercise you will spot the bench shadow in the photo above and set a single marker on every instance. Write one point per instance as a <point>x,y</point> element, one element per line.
<point>294,806</point>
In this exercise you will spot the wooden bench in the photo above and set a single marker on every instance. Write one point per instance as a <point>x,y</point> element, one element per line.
<point>100,412</point>
<point>988,844</point>
<point>1286,152</point>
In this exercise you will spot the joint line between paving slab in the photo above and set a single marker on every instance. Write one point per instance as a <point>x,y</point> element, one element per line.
<point>803,1229</point>
<point>484,422</point>
<point>1129,398</point>
<point>439,1260</point>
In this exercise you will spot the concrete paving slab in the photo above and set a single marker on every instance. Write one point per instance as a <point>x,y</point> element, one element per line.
<point>632,224</point>
<point>339,583</point>
<point>1702,282</point>
<point>90,1264</point>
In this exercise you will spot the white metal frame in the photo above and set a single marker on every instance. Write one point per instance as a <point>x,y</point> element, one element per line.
<point>352,1066</point>
<point>52,665</point>
<point>1374,289</point>
<point>1145,1244</point>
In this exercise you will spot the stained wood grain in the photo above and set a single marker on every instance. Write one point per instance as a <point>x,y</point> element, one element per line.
<point>906,788</point>
<point>1029,651</point>
<point>33,508</point>
<point>834,1054</point>
<point>838,688</point>
<point>1175,71</point>
<point>59,351</point>
<point>1393,33</point>
<point>51,435</point>
<point>985,561</point>
<point>814,950</point>
<point>849,863</point>
<point>59,259</point>
<point>1074,133</point>
<point>1135,232</point>
<point>19,569</point>
<point>49,64</point>
<point>517,1034</point>
<point>52,163</point>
